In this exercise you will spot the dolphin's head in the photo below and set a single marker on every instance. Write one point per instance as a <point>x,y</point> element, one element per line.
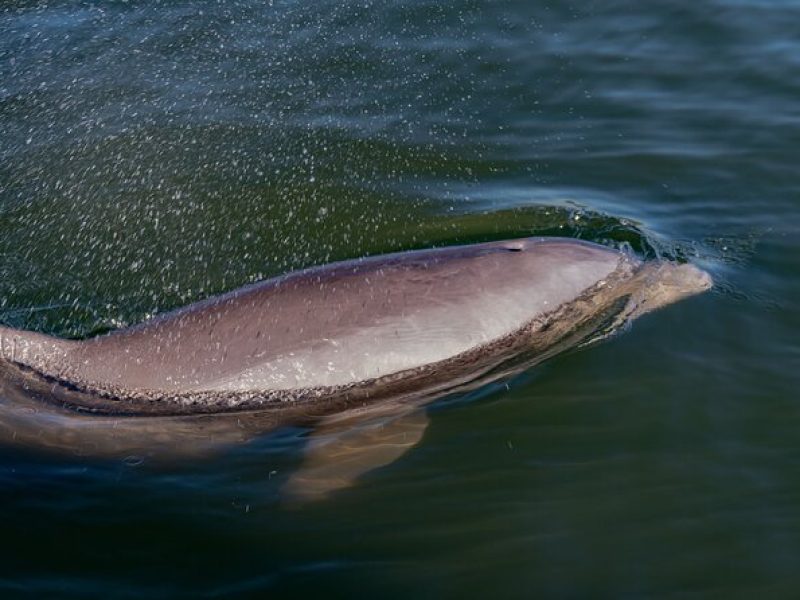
<point>665,282</point>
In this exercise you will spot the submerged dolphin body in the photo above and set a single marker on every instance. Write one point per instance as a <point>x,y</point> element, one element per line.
<point>377,336</point>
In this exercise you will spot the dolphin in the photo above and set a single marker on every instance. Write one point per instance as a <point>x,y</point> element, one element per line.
<point>352,346</point>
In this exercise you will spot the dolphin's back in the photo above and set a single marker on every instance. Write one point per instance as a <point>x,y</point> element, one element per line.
<point>338,324</point>
<point>348,322</point>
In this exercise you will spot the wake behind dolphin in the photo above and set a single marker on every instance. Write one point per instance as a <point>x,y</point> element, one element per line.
<point>380,334</point>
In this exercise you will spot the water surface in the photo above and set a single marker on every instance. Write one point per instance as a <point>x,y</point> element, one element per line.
<point>155,153</point>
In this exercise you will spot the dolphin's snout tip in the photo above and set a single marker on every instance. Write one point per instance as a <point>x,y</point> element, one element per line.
<point>680,280</point>
<point>696,279</point>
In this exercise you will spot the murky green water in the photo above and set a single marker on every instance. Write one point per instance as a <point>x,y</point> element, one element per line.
<point>152,154</point>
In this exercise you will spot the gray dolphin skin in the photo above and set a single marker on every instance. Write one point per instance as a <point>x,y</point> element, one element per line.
<point>373,336</point>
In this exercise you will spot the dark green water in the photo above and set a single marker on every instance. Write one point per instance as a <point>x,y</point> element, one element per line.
<point>152,154</point>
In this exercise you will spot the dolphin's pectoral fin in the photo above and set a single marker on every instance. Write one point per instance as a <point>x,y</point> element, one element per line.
<point>344,449</point>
